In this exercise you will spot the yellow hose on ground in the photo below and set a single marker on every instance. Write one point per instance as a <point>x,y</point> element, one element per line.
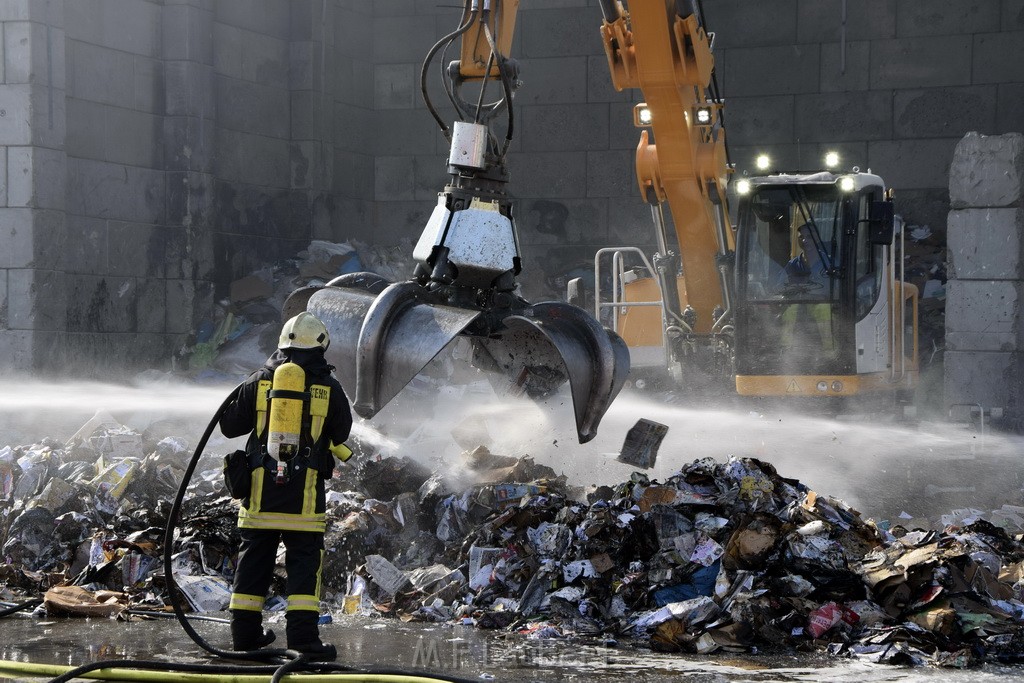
<point>8,667</point>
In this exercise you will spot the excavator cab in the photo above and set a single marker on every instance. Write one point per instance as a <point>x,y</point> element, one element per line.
<point>822,306</point>
<point>467,261</point>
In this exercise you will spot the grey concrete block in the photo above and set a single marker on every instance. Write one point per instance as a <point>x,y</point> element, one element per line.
<point>393,179</point>
<point>189,143</point>
<point>17,350</point>
<point>556,80</point>
<point>190,89</point>
<point>106,190</point>
<point>551,175</point>
<point>254,159</point>
<point>128,26</point>
<point>851,75</point>
<point>395,86</point>
<point>550,223</point>
<point>15,10</point>
<point>180,302</point>
<point>17,236</point>
<point>430,175</point>
<point>630,223</point>
<point>599,83</point>
<point>133,137</point>
<point>270,17</point>
<point>353,127</point>
<point>350,81</point>
<point>984,315</point>
<point>987,170</point>
<point>265,60</point>
<point>85,249</point>
<point>227,49</point>
<point>187,33</point>
<point>865,20</point>
<point>611,174</point>
<point>100,74</point>
<point>998,57</point>
<point>920,62</point>
<point>150,88</point>
<point>3,305</point>
<point>1013,15</point>
<point>622,134</point>
<point>403,39</point>
<point>3,177</point>
<point>49,119</point>
<point>565,127</point>
<point>36,177</point>
<point>771,70</point>
<point>911,164</point>
<point>37,299</point>
<point>990,379</point>
<point>15,115</point>
<point>104,304</point>
<point>306,66</point>
<point>351,218</point>
<point>560,33</point>
<point>252,108</point>
<point>742,24</point>
<point>1010,108</point>
<point>946,17</point>
<point>308,120</point>
<point>759,120</point>
<point>352,39</point>
<point>139,250</point>
<point>354,175</point>
<point>985,244</point>
<point>943,112</point>
<point>400,223</point>
<point>842,117</point>
<point>309,169</point>
<point>404,131</point>
<point>924,207</point>
<point>150,305</point>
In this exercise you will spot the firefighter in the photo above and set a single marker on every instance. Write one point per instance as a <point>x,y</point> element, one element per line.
<point>297,418</point>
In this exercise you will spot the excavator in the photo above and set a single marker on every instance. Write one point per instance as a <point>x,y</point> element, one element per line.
<point>701,306</point>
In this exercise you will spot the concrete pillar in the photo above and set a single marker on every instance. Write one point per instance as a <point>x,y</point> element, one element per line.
<point>187,48</point>
<point>33,174</point>
<point>984,359</point>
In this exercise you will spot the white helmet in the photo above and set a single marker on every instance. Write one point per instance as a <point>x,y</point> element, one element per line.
<point>304,331</point>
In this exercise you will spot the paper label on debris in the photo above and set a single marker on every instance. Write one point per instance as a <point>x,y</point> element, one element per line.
<point>386,575</point>
<point>205,593</point>
<point>478,557</point>
<point>574,570</point>
<point>706,550</point>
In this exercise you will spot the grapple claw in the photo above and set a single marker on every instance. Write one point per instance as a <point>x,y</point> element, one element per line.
<point>555,341</point>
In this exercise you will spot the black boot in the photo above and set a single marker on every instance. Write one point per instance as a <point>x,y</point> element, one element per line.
<point>304,636</point>
<point>247,631</point>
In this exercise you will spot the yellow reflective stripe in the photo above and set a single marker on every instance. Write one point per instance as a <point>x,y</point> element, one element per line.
<point>341,451</point>
<point>252,603</point>
<point>319,399</point>
<point>256,496</point>
<point>282,521</point>
<point>303,602</point>
<point>309,493</point>
<point>261,405</point>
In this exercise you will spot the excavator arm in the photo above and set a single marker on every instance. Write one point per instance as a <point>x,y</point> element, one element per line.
<point>662,49</point>
<point>467,260</point>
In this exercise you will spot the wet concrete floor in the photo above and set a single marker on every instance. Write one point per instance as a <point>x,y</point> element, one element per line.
<point>458,651</point>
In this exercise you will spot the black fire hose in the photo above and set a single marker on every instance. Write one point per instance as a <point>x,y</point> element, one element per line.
<point>14,609</point>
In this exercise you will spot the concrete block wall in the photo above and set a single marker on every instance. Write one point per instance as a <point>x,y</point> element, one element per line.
<point>155,150</point>
<point>984,359</point>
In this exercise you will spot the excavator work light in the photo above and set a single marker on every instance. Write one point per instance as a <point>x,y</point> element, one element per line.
<point>831,159</point>
<point>743,186</point>
<point>847,184</point>
<point>763,162</point>
<point>702,115</point>
<point>641,115</point>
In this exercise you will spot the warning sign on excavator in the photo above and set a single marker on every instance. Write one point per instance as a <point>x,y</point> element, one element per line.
<point>793,387</point>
